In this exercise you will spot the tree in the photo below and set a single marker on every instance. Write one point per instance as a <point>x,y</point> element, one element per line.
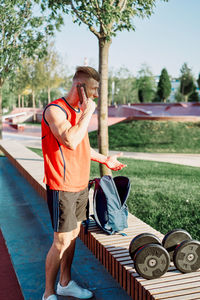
<point>33,77</point>
<point>20,83</point>
<point>194,97</point>
<point>36,78</point>
<point>187,84</point>
<point>122,87</point>
<point>104,18</point>
<point>164,86</point>
<point>8,97</point>
<point>146,84</point>
<point>53,70</point>
<point>178,96</point>
<point>198,81</point>
<point>22,34</point>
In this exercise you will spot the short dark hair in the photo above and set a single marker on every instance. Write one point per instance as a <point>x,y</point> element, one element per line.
<point>88,72</point>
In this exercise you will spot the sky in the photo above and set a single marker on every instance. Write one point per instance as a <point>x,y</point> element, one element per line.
<point>169,38</point>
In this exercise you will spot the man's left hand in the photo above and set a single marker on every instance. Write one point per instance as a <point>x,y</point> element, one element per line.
<point>113,164</point>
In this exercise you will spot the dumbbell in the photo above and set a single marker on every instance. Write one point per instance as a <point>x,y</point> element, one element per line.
<point>183,250</point>
<point>151,259</point>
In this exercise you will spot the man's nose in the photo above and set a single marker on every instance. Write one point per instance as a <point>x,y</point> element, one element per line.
<point>96,94</point>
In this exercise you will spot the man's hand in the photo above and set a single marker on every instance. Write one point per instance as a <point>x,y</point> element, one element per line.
<point>113,164</point>
<point>87,104</point>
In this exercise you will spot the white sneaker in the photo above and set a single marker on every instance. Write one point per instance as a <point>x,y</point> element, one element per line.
<point>74,290</point>
<point>51,297</point>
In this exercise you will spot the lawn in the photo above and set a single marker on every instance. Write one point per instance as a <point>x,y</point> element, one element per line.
<point>165,196</point>
<point>153,136</point>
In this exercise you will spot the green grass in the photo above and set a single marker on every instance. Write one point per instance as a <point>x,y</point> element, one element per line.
<point>165,196</point>
<point>153,136</point>
<point>36,150</point>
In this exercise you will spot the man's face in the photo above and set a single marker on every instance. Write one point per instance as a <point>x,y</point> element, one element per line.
<point>92,88</point>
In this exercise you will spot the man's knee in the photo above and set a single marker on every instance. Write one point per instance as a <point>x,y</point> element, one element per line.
<point>62,240</point>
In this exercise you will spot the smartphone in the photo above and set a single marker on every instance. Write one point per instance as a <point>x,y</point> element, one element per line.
<point>79,91</point>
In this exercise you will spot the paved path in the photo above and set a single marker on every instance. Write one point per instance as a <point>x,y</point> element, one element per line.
<point>174,158</point>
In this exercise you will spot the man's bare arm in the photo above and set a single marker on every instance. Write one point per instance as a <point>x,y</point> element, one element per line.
<point>69,135</point>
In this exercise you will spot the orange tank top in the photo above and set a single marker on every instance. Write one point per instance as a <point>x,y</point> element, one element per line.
<point>65,169</point>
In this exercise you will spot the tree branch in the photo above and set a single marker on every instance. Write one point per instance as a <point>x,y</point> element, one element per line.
<point>92,29</point>
<point>122,4</point>
<point>98,10</point>
<point>97,5</point>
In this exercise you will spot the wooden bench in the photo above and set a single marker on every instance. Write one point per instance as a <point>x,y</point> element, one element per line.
<point>112,251</point>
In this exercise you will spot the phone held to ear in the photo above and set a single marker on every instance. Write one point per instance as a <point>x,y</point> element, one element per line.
<point>79,91</point>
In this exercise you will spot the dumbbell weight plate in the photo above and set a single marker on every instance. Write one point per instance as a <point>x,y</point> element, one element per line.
<point>141,240</point>
<point>151,261</point>
<point>173,238</point>
<point>187,256</point>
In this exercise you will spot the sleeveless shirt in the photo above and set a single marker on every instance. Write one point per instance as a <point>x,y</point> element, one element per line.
<point>65,169</point>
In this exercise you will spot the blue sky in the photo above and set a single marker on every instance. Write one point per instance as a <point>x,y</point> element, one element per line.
<point>167,39</point>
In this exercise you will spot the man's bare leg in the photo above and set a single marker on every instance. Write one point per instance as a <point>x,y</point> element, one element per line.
<point>67,258</point>
<point>61,245</point>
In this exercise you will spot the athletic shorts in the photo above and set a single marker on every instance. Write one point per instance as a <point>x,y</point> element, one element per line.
<point>66,208</point>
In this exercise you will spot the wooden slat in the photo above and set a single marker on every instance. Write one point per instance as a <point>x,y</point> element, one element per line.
<point>174,287</point>
<point>193,293</point>
<point>175,282</point>
<point>113,252</point>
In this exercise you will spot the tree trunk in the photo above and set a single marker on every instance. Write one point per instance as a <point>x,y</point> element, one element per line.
<point>33,103</point>
<point>103,103</point>
<point>49,94</point>
<point>186,97</point>
<point>22,100</point>
<point>1,126</point>
<point>33,99</point>
<point>19,98</point>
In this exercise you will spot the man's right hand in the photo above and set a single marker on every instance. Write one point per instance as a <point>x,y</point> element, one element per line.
<point>88,105</point>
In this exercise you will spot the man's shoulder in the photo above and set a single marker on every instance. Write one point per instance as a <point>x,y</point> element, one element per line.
<point>58,103</point>
<point>59,100</point>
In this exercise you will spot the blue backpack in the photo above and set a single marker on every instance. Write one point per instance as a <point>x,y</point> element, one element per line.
<point>109,202</point>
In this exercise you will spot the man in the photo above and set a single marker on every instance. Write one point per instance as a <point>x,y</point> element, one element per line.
<point>67,154</point>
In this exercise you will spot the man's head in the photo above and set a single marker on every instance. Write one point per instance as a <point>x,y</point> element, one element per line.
<point>84,73</point>
<point>90,77</point>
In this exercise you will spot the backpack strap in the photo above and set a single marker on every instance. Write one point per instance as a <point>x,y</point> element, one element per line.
<point>87,221</point>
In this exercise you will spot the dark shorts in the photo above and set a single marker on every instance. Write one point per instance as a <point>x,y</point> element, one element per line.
<point>66,208</point>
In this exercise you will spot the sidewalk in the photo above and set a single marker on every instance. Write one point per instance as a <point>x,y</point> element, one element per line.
<point>192,160</point>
